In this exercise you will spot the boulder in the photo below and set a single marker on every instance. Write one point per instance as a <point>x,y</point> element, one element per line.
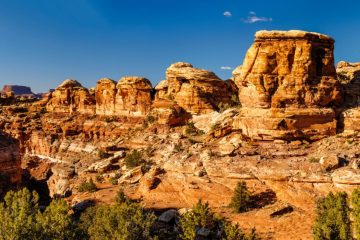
<point>169,113</point>
<point>70,97</point>
<point>168,216</point>
<point>287,86</point>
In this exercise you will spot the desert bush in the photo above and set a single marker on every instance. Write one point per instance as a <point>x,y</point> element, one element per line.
<point>113,181</point>
<point>55,222</point>
<point>333,218</point>
<point>201,217</point>
<point>121,197</point>
<point>87,186</point>
<point>21,218</point>
<point>133,159</point>
<point>125,221</point>
<point>99,178</point>
<point>241,200</point>
<point>355,200</point>
<point>314,160</point>
<point>223,106</point>
<point>192,130</point>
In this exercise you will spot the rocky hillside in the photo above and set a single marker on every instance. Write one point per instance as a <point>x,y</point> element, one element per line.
<point>286,123</point>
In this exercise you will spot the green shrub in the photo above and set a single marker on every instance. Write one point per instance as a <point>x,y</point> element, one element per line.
<point>56,224</point>
<point>355,200</point>
<point>201,216</point>
<point>121,197</point>
<point>99,178</point>
<point>235,99</point>
<point>113,181</point>
<point>333,218</point>
<point>133,159</point>
<point>223,106</point>
<point>192,130</point>
<point>178,148</point>
<point>20,218</point>
<point>87,186</point>
<point>125,221</point>
<point>241,200</point>
<point>314,160</point>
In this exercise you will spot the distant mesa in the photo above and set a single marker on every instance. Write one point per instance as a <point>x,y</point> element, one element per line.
<point>17,90</point>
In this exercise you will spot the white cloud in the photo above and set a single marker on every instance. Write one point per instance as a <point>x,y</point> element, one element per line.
<point>252,13</point>
<point>227,14</point>
<point>254,19</point>
<point>226,68</point>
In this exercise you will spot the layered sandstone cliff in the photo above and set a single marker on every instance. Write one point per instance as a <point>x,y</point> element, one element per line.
<point>196,90</point>
<point>288,86</point>
<point>70,97</point>
<point>10,161</point>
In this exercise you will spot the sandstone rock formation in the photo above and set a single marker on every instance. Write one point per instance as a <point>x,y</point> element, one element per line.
<point>196,90</point>
<point>10,170</point>
<point>349,75</point>
<point>169,113</point>
<point>131,96</point>
<point>287,86</point>
<point>105,94</point>
<point>70,97</point>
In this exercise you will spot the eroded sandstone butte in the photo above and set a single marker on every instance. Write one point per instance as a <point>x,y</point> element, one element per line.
<point>69,97</point>
<point>198,91</point>
<point>131,96</point>
<point>288,86</point>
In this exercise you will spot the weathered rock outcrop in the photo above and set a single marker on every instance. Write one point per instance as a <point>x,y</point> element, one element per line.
<point>196,90</point>
<point>70,97</point>
<point>105,94</point>
<point>169,113</point>
<point>131,96</point>
<point>10,170</point>
<point>287,86</point>
<point>349,76</point>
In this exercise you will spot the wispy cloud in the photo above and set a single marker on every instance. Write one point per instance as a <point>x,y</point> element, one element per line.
<point>227,14</point>
<point>226,68</point>
<point>254,19</point>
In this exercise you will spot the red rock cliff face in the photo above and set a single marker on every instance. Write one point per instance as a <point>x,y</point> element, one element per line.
<point>10,161</point>
<point>287,86</point>
<point>71,97</point>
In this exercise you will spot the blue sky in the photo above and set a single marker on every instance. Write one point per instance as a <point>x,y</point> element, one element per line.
<point>43,42</point>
